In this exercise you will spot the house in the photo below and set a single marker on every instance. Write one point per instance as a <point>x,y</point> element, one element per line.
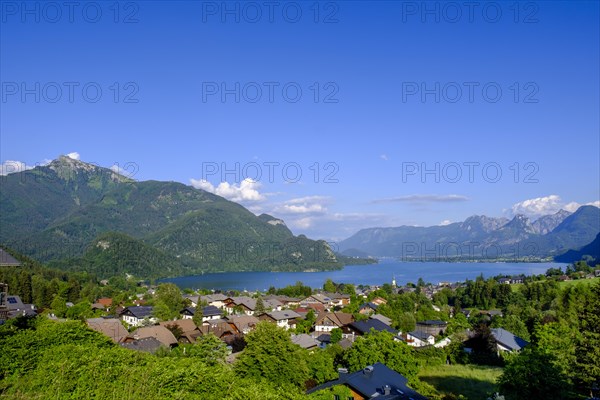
<point>328,300</point>
<point>504,281</point>
<point>216,299</point>
<point>326,322</point>
<point>284,319</point>
<point>379,301</point>
<point>136,315</point>
<point>148,345</point>
<point>508,341</point>
<point>158,332</point>
<point>375,381</point>
<point>382,318</point>
<point>243,323</point>
<point>189,330</point>
<point>305,341</point>
<point>208,313</point>
<point>432,327</point>
<point>111,327</point>
<point>248,305</point>
<point>518,279</point>
<point>106,302</point>
<point>16,307</point>
<point>418,339</point>
<point>368,308</point>
<point>222,329</point>
<point>360,328</point>
<point>286,301</point>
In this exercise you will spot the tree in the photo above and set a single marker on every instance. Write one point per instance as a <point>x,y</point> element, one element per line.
<point>161,311</point>
<point>259,308</point>
<point>336,335</point>
<point>533,374</point>
<point>198,315</point>
<point>59,306</point>
<point>271,356</point>
<point>329,286</point>
<point>407,322</point>
<point>588,346</point>
<point>381,347</point>
<point>170,295</point>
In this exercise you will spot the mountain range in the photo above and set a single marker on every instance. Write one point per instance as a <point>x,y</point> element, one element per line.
<point>84,217</point>
<point>481,238</point>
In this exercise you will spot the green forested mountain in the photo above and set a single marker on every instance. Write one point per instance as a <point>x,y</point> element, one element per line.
<point>63,210</point>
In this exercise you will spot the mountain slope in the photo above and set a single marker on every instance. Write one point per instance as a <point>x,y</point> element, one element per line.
<point>57,211</point>
<point>592,249</point>
<point>481,237</point>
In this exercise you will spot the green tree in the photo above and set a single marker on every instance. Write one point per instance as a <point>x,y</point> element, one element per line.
<point>198,315</point>
<point>381,347</point>
<point>170,295</point>
<point>533,374</point>
<point>161,311</point>
<point>588,346</point>
<point>81,310</point>
<point>336,335</point>
<point>271,356</point>
<point>329,286</point>
<point>407,322</point>
<point>259,308</point>
<point>59,306</point>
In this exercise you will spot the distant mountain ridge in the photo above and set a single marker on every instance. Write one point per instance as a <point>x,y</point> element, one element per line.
<point>480,237</point>
<point>61,211</point>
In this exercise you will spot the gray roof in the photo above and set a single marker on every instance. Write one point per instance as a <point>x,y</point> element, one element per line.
<point>509,339</point>
<point>208,311</point>
<point>431,322</point>
<point>285,314</point>
<point>305,341</point>
<point>382,318</point>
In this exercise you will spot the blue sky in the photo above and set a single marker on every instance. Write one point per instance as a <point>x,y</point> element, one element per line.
<point>388,90</point>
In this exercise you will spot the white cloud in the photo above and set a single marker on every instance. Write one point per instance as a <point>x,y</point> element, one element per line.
<point>445,222</point>
<point>551,204</point>
<point>246,191</point>
<point>74,155</point>
<point>310,205</point>
<point>384,157</point>
<point>11,166</point>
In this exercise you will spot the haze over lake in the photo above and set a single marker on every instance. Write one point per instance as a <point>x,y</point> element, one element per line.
<point>374,274</point>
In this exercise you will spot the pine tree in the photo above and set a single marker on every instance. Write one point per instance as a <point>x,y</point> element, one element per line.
<point>198,315</point>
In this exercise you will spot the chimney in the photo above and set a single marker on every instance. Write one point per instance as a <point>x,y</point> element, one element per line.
<point>342,372</point>
<point>368,370</point>
<point>387,390</point>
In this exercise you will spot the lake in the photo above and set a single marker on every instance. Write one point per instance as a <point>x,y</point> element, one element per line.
<point>373,274</point>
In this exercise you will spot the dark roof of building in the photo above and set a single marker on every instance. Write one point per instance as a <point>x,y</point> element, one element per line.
<point>6,260</point>
<point>149,345</point>
<point>372,381</point>
<point>365,326</point>
<point>207,311</point>
<point>370,305</point>
<point>139,311</point>
<point>509,339</point>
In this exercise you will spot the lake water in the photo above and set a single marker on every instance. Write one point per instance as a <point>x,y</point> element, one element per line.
<point>373,274</point>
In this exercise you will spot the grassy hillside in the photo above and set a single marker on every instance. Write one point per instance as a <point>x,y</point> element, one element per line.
<point>472,381</point>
